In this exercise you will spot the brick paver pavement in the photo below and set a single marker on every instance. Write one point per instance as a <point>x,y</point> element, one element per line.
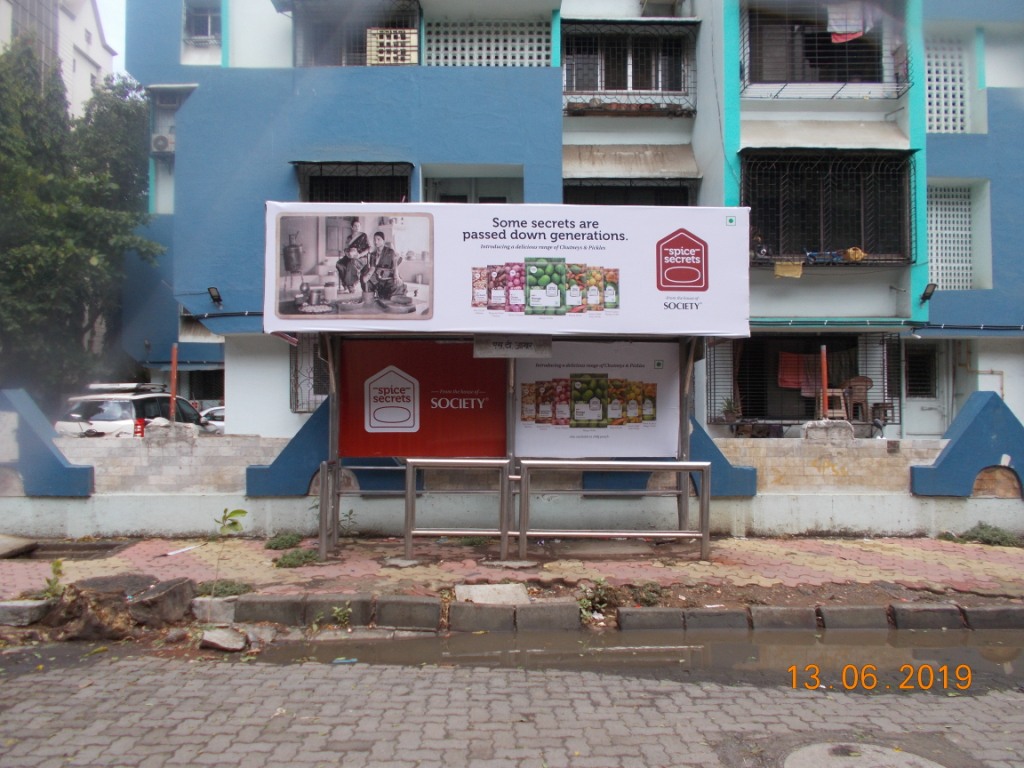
<point>364,565</point>
<point>145,712</point>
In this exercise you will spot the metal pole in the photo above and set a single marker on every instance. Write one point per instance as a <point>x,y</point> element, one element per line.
<point>824,383</point>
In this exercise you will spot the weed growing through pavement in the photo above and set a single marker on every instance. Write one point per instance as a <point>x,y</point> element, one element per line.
<point>983,533</point>
<point>596,598</point>
<point>228,524</point>
<point>342,614</point>
<point>54,590</point>
<point>296,558</point>
<point>284,541</point>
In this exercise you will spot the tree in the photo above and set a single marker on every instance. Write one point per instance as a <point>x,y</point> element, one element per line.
<point>71,207</point>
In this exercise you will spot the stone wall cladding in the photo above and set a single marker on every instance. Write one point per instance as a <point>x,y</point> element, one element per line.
<point>809,466</point>
<point>217,464</point>
<point>183,463</point>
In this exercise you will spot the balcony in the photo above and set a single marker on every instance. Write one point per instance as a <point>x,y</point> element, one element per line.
<point>629,68</point>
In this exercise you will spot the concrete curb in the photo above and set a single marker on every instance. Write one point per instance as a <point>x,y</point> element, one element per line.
<point>425,614</point>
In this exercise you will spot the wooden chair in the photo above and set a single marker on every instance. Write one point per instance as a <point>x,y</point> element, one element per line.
<point>856,389</point>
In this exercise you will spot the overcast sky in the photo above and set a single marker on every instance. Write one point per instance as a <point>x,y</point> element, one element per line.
<point>112,18</point>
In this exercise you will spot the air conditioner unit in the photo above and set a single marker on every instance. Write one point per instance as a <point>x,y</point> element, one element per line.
<point>386,47</point>
<point>162,142</point>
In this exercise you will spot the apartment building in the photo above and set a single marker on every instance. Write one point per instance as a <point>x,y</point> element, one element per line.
<point>69,34</point>
<point>870,139</point>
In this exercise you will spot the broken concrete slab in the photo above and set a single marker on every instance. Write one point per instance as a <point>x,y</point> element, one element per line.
<point>15,546</point>
<point>164,603</point>
<point>224,639</point>
<point>492,594</point>
<point>23,613</point>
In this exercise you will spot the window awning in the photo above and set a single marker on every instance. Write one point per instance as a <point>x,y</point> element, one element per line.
<point>629,161</point>
<point>823,134</point>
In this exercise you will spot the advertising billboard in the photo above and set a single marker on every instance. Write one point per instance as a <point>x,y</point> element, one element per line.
<point>599,400</point>
<point>420,398</point>
<point>550,270</point>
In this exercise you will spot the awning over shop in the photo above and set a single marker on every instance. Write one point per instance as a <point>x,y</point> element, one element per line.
<point>629,161</point>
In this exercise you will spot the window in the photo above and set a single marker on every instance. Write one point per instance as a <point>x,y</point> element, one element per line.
<point>310,378</point>
<point>354,182</point>
<point>629,64</point>
<point>922,371</point>
<point>339,34</point>
<point>202,22</point>
<point>837,208</point>
<point>777,378</point>
<point>627,192</point>
<point>839,43</point>
<point>950,237</point>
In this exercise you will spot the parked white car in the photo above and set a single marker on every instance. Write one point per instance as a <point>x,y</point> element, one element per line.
<point>214,419</point>
<point>120,410</point>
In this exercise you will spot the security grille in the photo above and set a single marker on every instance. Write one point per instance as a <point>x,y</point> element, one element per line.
<point>948,107</point>
<point>827,50</point>
<point>310,378</point>
<point>836,208</point>
<point>354,182</point>
<point>485,43</point>
<point>776,379</point>
<point>390,47</point>
<point>628,191</point>
<point>332,34</point>
<point>637,64</point>
<point>950,233</point>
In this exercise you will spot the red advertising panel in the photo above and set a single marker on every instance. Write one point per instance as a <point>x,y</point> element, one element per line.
<point>421,398</point>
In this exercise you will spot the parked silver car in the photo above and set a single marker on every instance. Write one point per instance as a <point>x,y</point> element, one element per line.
<point>123,410</point>
<point>214,419</point>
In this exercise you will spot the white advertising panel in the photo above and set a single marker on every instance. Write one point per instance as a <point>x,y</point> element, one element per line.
<point>542,270</point>
<point>594,400</point>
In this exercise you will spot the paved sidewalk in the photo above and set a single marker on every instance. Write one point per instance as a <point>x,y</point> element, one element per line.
<point>376,566</point>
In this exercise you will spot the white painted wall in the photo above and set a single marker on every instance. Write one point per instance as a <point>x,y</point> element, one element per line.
<point>256,387</point>
<point>259,36</point>
<point>6,22</point>
<point>84,54</point>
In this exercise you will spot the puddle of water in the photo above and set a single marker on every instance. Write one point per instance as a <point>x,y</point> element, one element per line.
<point>951,663</point>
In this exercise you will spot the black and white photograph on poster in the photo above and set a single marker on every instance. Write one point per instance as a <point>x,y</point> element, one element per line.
<point>599,400</point>
<point>356,266</point>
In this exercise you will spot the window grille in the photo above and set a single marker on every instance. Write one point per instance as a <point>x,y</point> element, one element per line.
<point>333,34</point>
<point>947,94</point>
<point>206,385</point>
<point>950,235</point>
<point>310,378</point>
<point>776,379</point>
<point>521,43</point>
<point>354,182</point>
<point>834,208</point>
<point>922,371</point>
<point>390,47</point>
<point>645,67</point>
<point>202,24</point>
<point>825,49</point>
<point>627,192</point>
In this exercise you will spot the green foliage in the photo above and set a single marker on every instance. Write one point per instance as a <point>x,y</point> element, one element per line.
<point>342,614</point>
<point>598,597</point>
<point>223,588</point>
<point>65,231</point>
<point>54,590</point>
<point>474,541</point>
<point>296,558</point>
<point>284,541</point>
<point>648,594</point>
<point>230,522</point>
<point>983,533</point>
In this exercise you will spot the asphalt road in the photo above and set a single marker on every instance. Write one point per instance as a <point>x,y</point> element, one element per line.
<point>75,705</point>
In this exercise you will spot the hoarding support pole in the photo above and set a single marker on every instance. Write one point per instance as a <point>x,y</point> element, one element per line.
<point>683,452</point>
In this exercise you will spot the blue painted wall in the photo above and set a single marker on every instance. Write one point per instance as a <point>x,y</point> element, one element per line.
<point>997,156</point>
<point>43,469</point>
<point>241,129</point>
